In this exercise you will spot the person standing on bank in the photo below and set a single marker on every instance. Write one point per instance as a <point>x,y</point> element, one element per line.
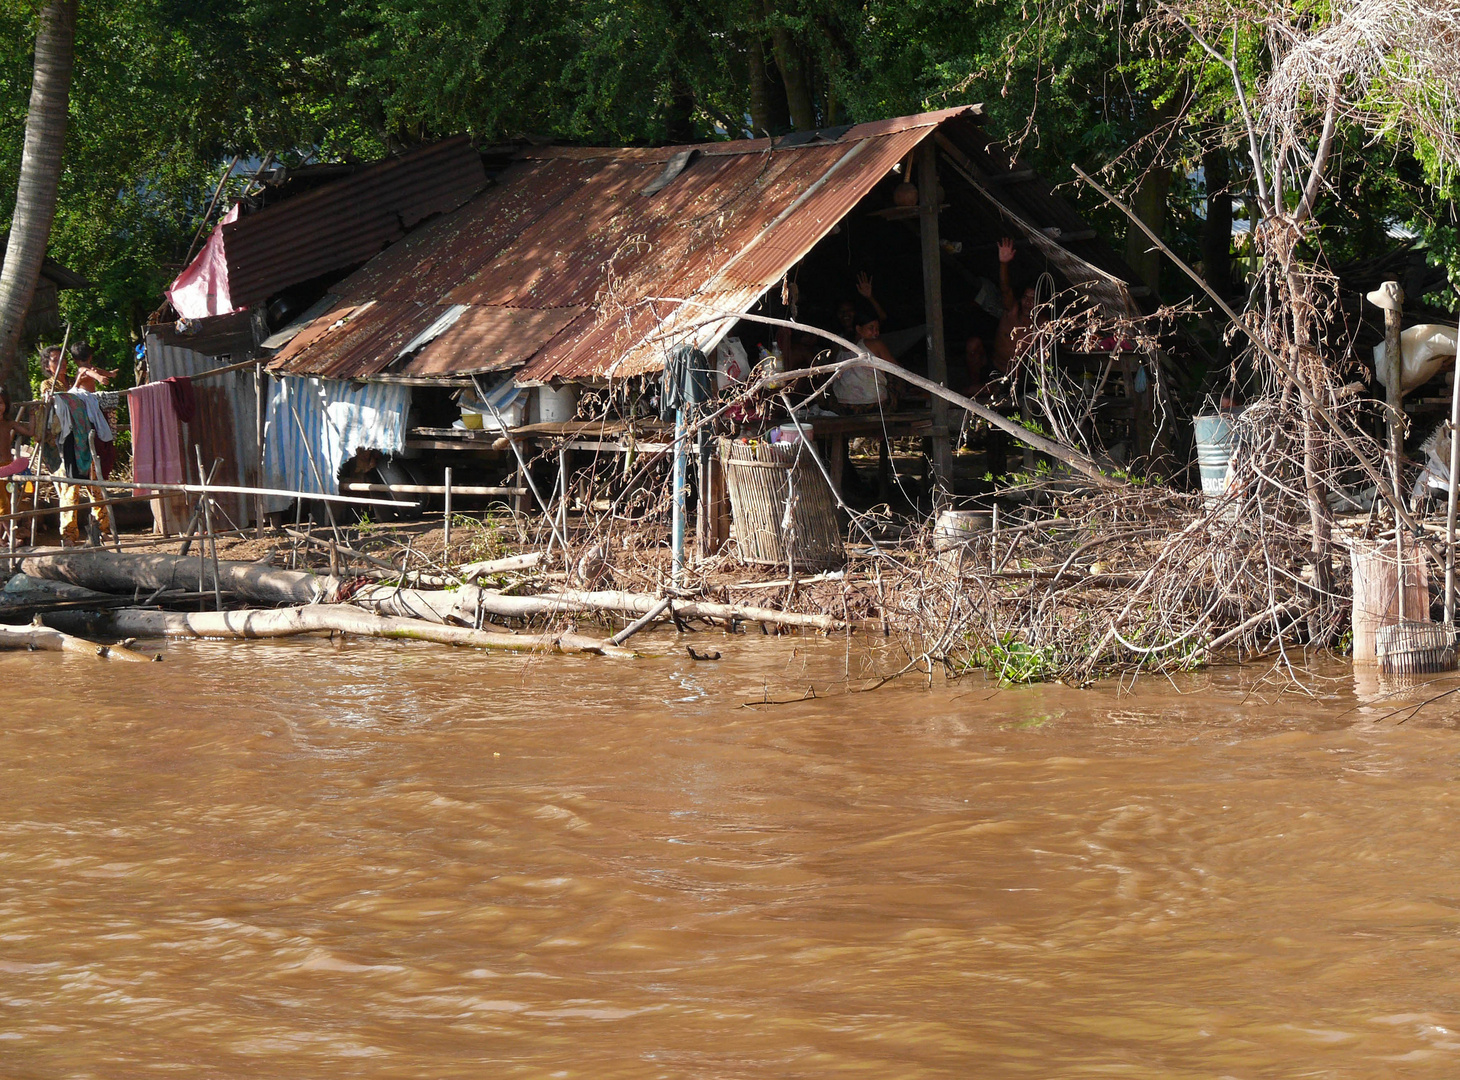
<point>860,389</point>
<point>1018,317</point>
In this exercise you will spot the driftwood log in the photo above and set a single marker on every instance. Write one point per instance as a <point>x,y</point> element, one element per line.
<point>52,640</point>
<point>111,572</point>
<point>326,618</point>
<point>463,604</point>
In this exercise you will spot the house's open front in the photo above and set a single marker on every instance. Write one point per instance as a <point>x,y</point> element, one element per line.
<point>549,301</point>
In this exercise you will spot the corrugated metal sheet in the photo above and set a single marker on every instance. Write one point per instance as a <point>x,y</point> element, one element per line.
<point>566,268</point>
<point>567,235</point>
<point>489,339</point>
<point>346,223</point>
<point>356,340</point>
<point>315,425</point>
<point>223,426</point>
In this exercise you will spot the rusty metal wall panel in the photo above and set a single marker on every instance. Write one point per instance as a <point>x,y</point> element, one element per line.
<point>224,424</point>
<point>347,222</point>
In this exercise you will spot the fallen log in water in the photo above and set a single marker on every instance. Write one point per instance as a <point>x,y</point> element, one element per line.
<point>640,604</point>
<point>330,618</point>
<point>108,571</point>
<point>464,603</point>
<point>52,640</point>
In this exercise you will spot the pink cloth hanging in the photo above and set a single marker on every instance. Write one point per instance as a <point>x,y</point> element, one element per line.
<point>156,435</point>
<point>17,466</point>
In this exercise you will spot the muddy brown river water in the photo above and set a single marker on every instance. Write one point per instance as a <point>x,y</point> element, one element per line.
<point>298,860</point>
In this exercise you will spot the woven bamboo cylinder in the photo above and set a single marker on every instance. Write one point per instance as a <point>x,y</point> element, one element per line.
<point>1376,594</point>
<point>762,478</point>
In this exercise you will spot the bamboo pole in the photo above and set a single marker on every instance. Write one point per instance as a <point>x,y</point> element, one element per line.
<point>217,489</point>
<point>521,462</point>
<point>641,622</point>
<point>25,515</point>
<point>464,603</point>
<point>207,502</point>
<point>1450,501</point>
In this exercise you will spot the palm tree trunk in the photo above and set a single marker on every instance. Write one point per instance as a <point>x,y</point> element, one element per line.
<point>40,175</point>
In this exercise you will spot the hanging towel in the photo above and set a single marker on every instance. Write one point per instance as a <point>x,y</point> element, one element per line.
<point>184,401</point>
<point>156,437</point>
<point>16,467</point>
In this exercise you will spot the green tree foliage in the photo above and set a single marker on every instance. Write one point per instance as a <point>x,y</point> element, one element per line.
<point>168,91</point>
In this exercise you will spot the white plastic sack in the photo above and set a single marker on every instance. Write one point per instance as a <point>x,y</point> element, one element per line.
<point>732,366</point>
<point>1426,349</point>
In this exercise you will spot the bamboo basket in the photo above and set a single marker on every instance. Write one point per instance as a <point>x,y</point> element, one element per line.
<point>1415,648</point>
<point>762,477</point>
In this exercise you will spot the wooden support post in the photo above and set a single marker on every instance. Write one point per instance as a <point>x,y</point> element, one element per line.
<point>1394,359</point>
<point>446,518</point>
<point>563,462</point>
<point>927,179</point>
<point>260,409</point>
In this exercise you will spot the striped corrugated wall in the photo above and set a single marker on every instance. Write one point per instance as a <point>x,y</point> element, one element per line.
<point>313,426</point>
<point>224,426</point>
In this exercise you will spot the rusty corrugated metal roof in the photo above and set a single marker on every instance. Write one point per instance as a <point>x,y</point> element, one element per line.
<point>347,222</point>
<point>566,268</point>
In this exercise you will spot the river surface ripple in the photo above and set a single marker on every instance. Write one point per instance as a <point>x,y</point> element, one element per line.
<point>380,860</point>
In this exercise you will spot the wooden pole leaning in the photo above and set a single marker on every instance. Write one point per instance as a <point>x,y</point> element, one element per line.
<point>207,503</point>
<point>1450,502</point>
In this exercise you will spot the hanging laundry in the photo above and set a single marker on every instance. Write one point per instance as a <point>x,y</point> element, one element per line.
<point>76,427</point>
<point>156,436</point>
<point>184,401</point>
<point>73,413</point>
<point>106,453</point>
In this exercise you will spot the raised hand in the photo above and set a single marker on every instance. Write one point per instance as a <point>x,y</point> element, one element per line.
<point>1006,250</point>
<point>864,284</point>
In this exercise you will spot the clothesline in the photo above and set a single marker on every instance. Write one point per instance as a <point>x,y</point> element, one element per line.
<point>196,489</point>
<point>200,375</point>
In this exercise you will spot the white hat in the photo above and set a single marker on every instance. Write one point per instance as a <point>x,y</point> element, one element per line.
<point>1388,296</point>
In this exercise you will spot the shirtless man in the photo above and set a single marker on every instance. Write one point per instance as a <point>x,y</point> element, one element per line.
<point>846,311</point>
<point>976,361</point>
<point>1018,312</point>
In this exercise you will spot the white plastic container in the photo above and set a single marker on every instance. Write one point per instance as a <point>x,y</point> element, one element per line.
<point>555,405</point>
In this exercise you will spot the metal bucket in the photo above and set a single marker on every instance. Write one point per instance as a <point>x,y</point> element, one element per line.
<point>1214,442</point>
<point>957,527</point>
